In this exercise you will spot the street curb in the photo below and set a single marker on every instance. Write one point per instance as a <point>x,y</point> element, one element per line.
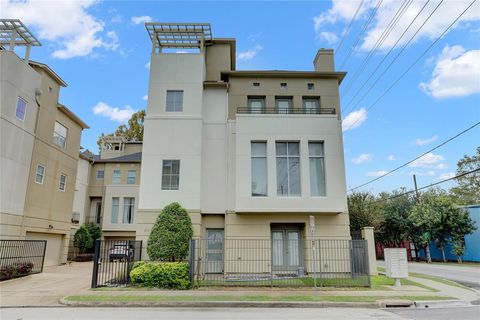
<point>239,304</point>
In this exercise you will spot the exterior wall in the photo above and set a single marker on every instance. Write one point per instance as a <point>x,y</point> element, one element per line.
<point>17,79</point>
<point>120,191</point>
<point>241,88</point>
<point>303,128</point>
<point>217,59</point>
<point>81,188</point>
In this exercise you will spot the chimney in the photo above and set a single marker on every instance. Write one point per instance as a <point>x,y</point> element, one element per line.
<point>324,60</point>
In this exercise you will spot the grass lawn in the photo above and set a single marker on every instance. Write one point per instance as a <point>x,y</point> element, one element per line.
<point>246,298</point>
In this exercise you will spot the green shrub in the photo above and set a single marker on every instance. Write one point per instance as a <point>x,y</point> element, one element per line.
<point>94,230</point>
<point>166,275</point>
<point>18,269</point>
<point>170,236</point>
<point>82,239</point>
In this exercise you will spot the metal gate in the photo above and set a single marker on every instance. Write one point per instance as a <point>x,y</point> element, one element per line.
<point>113,261</point>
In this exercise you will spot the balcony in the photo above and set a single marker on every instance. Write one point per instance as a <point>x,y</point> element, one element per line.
<point>247,110</point>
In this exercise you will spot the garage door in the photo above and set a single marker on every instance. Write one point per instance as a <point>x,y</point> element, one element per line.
<point>54,246</point>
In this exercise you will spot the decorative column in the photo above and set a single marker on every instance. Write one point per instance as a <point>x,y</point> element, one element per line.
<point>367,234</point>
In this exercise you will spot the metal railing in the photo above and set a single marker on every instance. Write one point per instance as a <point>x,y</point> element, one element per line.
<point>113,260</point>
<point>247,110</point>
<point>282,262</point>
<point>21,257</point>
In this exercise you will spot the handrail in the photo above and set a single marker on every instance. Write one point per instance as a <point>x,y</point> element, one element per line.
<point>247,110</point>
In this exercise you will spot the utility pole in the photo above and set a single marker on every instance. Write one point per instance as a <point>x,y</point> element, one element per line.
<point>417,198</point>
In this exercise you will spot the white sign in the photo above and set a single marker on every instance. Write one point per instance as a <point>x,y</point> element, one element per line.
<point>396,264</point>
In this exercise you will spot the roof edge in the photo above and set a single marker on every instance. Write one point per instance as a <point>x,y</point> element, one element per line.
<point>72,116</point>
<point>50,72</point>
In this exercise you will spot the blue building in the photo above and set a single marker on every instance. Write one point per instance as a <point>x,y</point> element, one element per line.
<point>472,242</point>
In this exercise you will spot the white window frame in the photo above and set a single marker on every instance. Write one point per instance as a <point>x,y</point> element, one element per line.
<point>288,157</point>
<point>117,206</point>
<point>174,106</point>
<point>310,156</point>
<point>24,112</point>
<point>103,174</point>
<point>43,173</point>
<point>289,100</point>
<point>57,134</point>
<point>119,176</point>
<point>64,183</point>
<point>134,177</point>
<point>126,207</point>
<point>170,175</point>
<point>255,156</point>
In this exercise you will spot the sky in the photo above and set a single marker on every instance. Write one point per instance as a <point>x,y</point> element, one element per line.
<point>426,90</point>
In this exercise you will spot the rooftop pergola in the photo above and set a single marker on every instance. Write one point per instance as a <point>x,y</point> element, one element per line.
<point>178,35</point>
<point>14,33</point>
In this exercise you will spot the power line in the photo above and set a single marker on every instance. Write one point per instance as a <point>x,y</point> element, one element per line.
<point>416,158</point>
<point>415,62</point>
<point>349,26</point>
<point>394,59</point>
<point>429,186</point>
<point>365,26</point>
<point>386,32</point>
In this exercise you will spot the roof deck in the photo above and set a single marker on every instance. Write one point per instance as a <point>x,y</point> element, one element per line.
<point>179,35</point>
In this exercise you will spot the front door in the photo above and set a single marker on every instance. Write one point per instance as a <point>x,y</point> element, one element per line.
<point>286,250</point>
<point>214,251</point>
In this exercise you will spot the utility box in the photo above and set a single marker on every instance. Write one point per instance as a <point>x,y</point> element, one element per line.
<point>396,265</point>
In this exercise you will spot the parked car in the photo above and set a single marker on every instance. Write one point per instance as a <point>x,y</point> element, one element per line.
<point>120,251</point>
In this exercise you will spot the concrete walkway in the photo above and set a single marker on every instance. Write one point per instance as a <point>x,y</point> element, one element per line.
<point>48,287</point>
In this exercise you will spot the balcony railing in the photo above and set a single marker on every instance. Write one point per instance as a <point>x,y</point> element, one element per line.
<point>246,110</point>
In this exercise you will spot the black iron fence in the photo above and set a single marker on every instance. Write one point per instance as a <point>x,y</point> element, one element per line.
<point>247,110</point>
<point>113,260</point>
<point>280,261</point>
<point>21,257</point>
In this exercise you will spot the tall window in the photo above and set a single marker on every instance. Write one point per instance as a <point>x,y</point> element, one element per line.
<point>100,174</point>
<point>288,168</point>
<point>39,174</point>
<point>115,206</point>
<point>63,182</point>
<point>283,105</point>
<point>317,168</point>
<point>60,134</point>
<point>117,175</point>
<point>174,100</point>
<point>259,169</point>
<point>21,109</point>
<point>170,174</point>
<point>128,210</point>
<point>256,104</point>
<point>310,105</point>
<point>131,176</point>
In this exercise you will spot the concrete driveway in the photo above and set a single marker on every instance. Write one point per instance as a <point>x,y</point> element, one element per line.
<point>46,288</point>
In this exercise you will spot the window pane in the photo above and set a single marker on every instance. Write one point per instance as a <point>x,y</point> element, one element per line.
<point>174,182</point>
<point>293,148</point>
<point>294,176</point>
<point>100,174</point>
<point>115,205</point>
<point>21,108</point>
<point>256,105</point>
<point>167,167</point>
<point>259,177</point>
<point>283,105</point>
<point>116,176</point>
<point>282,176</point>
<point>174,101</point>
<point>39,174</point>
<point>166,182</point>
<point>175,166</point>
<point>131,175</point>
<point>281,148</point>
<point>315,149</point>
<point>317,177</point>
<point>259,149</point>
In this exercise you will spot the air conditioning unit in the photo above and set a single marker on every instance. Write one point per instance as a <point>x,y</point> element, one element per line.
<point>396,264</point>
<point>75,217</point>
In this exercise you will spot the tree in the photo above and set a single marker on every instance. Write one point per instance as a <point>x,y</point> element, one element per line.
<point>462,225</point>
<point>362,210</point>
<point>468,189</point>
<point>133,131</point>
<point>170,235</point>
<point>82,239</point>
<point>94,230</point>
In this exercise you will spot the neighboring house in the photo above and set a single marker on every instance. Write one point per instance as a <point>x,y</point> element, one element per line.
<point>472,241</point>
<point>40,140</point>
<point>110,198</point>
<point>249,154</point>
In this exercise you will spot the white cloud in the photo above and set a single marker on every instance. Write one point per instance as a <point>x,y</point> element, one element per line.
<point>446,175</point>
<point>391,158</point>
<point>422,142</point>
<point>147,65</point>
<point>342,12</point>
<point>67,24</point>
<point>364,157</point>
<point>354,119</point>
<point>456,74</point>
<point>376,173</point>
<point>113,113</point>
<point>441,166</point>
<point>116,19</point>
<point>330,37</point>
<point>427,161</point>
<point>141,19</point>
<point>429,173</point>
<point>249,54</point>
<point>145,97</point>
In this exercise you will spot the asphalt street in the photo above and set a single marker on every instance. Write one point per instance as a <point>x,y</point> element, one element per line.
<point>54,313</point>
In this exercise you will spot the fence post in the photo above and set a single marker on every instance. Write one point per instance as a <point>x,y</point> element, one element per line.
<point>367,234</point>
<point>95,263</point>
<point>44,250</point>
<point>191,260</point>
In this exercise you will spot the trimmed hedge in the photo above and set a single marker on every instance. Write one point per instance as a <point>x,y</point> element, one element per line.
<point>166,275</point>
<point>16,270</point>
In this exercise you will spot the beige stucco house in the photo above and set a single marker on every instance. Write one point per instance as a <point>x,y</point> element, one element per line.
<point>40,141</point>
<point>250,154</point>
